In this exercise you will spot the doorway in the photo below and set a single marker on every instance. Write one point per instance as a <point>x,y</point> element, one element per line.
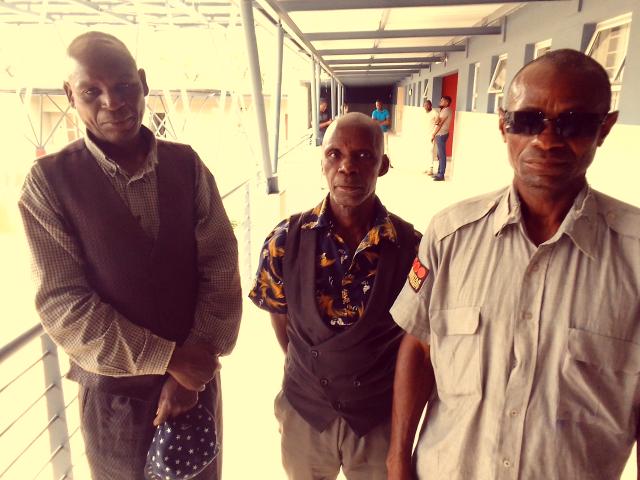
<point>450,88</point>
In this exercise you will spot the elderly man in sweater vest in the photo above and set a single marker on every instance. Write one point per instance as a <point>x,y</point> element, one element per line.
<point>328,277</point>
<point>135,262</point>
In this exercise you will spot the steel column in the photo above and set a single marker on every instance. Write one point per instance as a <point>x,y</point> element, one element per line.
<point>334,98</point>
<point>246,11</point>
<point>314,103</point>
<point>58,431</point>
<point>278,97</point>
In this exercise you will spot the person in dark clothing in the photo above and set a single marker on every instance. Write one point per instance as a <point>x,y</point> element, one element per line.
<point>136,264</point>
<point>328,277</point>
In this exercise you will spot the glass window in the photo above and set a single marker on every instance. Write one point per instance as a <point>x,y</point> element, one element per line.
<point>499,77</point>
<point>609,47</point>
<point>541,48</point>
<point>474,91</point>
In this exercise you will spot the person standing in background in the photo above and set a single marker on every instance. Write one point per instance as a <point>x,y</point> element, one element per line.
<point>441,135</point>
<point>432,157</point>
<point>382,116</point>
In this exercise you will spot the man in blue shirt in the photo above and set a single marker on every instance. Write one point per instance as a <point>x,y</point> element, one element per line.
<point>381,115</point>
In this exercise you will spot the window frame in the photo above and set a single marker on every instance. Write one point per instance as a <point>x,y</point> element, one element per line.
<point>501,58</point>
<point>475,91</point>
<point>609,24</point>
<point>541,45</point>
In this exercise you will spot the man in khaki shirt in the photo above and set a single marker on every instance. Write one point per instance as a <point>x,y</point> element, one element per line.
<point>522,308</point>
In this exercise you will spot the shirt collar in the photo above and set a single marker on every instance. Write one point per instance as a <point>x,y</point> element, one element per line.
<point>507,211</point>
<point>579,224</point>
<point>382,226</point>
<point>112,168</point>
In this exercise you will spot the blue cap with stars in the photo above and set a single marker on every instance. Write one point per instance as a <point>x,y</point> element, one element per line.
<point>182,446</point>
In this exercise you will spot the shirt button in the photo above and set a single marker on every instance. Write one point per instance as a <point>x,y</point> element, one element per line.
<point>356,383</point>
<point>324,382</point>
<point>315,353</point>
<point>527,315</point>
<point>513,413</point>
<point>506,463</point>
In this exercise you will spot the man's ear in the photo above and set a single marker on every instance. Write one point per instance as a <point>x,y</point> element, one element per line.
<point>501,124</point>
<point>143,80</point>
<point>69,94</point>
<point>384,167</point>
<point>607,125</point>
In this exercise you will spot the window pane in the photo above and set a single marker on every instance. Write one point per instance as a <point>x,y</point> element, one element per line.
<point>500,75</point>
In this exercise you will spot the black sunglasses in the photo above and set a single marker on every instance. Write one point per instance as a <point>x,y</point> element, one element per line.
<point>566,124</point>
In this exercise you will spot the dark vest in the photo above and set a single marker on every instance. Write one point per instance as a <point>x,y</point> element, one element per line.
<point>152,283</point>
<point>350,373</point>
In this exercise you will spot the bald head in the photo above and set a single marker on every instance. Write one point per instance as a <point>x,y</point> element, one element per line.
<point>358,121</point>
<point>98,46</point>
<point>566,66</point>
<point>106,88</point>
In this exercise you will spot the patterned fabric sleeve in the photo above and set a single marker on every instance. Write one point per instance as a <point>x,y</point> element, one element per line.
<point>268,289</point>
<point>219,302</point>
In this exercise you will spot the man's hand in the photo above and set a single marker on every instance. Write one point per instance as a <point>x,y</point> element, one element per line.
<point>399,468</point>
<point>433,137</point>
<point>193,366</point>
<point>174,400</point>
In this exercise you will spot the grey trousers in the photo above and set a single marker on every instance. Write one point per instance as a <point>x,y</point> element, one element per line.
<point>118,429</point>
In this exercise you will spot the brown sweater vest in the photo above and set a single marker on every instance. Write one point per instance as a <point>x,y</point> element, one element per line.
<point>348,374</point>
<point>152,283</point>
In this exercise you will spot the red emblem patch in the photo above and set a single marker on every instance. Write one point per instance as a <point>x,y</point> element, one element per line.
<point>417,275</point>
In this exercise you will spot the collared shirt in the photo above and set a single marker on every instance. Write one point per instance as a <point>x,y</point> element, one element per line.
<point>536,350</point>
<point>445,116</point>
<point>74,315</point>
<point>381,115</point>
<point>343,278</point>
<point>432,118</point>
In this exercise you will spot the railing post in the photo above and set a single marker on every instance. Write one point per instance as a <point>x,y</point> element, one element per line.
<point>246,229</point>
<point>58,431</point>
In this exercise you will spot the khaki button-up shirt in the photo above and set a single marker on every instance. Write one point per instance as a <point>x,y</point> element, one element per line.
<point>536,350</point>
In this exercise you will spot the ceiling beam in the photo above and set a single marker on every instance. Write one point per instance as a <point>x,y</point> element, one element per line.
<point>28,13</point>
<point>367,61</point>
<point>286,19</point>
<point>414,33</point>
<point>380,67</point>
<point>104,11</point>
<point>305,6</point>
<point>392,50</point>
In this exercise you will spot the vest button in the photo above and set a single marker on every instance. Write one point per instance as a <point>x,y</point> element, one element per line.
<point>315,353</point>
<point>356,383</point>
<point>324,382</point>
<point>338,405</point>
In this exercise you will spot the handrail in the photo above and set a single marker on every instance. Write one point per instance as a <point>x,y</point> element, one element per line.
<point>304,138</point>
<point>234,189</point>
<point>21,340</point>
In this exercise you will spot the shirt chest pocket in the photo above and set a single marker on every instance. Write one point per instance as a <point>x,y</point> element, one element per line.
<point>455,351</point>
<point>599,380</point>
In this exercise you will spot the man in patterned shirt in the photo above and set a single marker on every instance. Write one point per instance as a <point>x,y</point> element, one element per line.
<point>328,277</point>
<point>135,263</point>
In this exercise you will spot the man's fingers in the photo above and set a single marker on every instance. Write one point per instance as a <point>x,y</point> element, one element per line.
<point>163,413</point>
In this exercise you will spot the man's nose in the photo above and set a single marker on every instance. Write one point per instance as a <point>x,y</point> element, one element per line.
<point>549,138</point>
<point>348,165</point>
<point>112,100</point>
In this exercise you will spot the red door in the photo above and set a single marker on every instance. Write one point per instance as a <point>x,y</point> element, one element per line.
<point>450,88</point>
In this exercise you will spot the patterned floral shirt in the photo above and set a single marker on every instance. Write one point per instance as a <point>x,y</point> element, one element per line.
<point>344,279</point>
